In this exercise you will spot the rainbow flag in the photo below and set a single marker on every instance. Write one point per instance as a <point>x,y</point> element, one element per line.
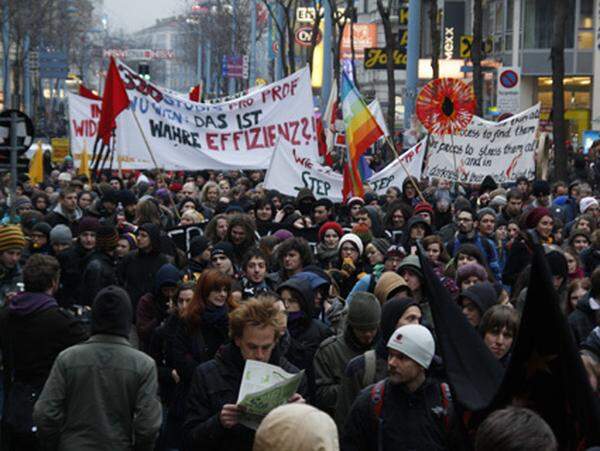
<point>362,131</point>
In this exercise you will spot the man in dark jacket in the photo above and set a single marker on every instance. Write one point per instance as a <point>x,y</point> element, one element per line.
<point>66,211</point>
<point>100,270</point>
<point>107,373</point>
<point>587,311</point>
<point>212,414</point>
<point>73,262</point>
<point>364,314</point>
<point>34,330</point>
<point>154,307</point>
<point>407,410</point>
<point>137,270</point>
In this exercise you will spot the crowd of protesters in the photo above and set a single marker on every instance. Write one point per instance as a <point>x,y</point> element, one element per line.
<point>116,334</point>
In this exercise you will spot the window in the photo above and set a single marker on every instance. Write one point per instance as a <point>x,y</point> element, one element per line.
<point>538,24</point>
<point>585,33</point>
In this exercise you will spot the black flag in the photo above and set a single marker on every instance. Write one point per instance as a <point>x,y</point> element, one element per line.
<point>545,372</point>
<point>474,374</point>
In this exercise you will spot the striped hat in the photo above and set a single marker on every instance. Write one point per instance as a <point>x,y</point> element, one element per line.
<point>11,237</point>
<point>107,238</point>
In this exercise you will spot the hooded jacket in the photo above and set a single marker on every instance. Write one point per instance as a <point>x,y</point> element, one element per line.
<point>137,270</point>
<point>34,330</point>
<point>353,379</point>
<point>482,294</point>
<point>408,241</point>
<point>282,426</point>
<point>152,307</point>
<point>99,272</point>
<point>216,383</point>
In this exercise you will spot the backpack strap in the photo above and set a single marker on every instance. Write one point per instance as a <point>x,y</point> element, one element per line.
<point>370,367</point>
<point>376,396</point>
<point>446,400</point>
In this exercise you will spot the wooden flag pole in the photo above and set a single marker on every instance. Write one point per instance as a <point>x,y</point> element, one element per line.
<point>160,172</point>
<point>410,177</point>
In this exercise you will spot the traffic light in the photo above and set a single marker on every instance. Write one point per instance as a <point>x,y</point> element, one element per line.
<point>144,71</point>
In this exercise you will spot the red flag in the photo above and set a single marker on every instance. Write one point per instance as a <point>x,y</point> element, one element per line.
<point>114,101</point>
<point>196,93</point>
<point>88,93</point>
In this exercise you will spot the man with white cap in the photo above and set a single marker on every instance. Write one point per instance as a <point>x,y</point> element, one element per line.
<point>407,410</point>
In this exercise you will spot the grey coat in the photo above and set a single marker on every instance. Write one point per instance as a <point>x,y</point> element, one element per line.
<point>100,395</point>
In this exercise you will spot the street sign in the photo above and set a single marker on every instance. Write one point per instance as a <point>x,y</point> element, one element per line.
<point>376,58</point>
<point>466,45</point>
<point>53,64</point>
<point>304,35</point>
<point>140,54</point>
<point>509,95</point>
<point>233,66</point>
<point>24,127</point>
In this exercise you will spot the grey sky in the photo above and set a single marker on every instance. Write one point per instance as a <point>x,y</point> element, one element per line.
<point>132,15</point>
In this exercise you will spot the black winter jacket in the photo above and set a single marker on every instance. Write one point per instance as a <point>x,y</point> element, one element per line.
<point>100,272</point>
<point>72,263</point>
<point>582,320</point>
<point>216,383</point>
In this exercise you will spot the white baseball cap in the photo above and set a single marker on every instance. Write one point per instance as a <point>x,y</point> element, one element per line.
<point>414,341</point>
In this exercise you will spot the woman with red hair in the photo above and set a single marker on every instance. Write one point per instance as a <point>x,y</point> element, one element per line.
<point>202,329</point>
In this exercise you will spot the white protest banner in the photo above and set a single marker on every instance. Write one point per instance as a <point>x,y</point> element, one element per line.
<point>504,150</point>
<point>236,134</point>
<point>394,174</point>
<point>84,115</point>
<point>289,172</point>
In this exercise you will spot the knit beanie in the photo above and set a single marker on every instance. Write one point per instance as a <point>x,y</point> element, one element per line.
<point>198,245</point>
<point>364,311</point>
<point>330,225</point>
<point>23,202</point>
<point>540,188</point>
<point>388,284</point>
<point>423,207</point>
<point>363,232</point>
<point>381,244</point>
<point>107,238</point>
<point>88,224</point>
<point>535,216</point>
<point>579,232</point>
<point>485,211</point>
<point>112,312</point>
<point>482,294</point>
<point>586,203</point>
<point>223,248</point>
<point>412,263</point>
<point>469,270</point>
<point>42,227</point>
<point>354,239</point>
<point>283,234</point>
<point>355,200</point>
<point>131,239</point>
<point>11,237</point>
<point>61,234</point>
<point>414,341</point>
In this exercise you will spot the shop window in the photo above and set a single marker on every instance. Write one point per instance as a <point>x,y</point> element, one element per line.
<point>585,33</point>
<point>538,23</point>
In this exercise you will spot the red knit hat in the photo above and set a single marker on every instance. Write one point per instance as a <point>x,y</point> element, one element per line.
<point>535,216</point>
<point>330,225</point>
<point>423,207</point>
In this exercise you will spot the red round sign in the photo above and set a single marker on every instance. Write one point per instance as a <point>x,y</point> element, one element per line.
<point>509,79</point>
<point>303,36</point>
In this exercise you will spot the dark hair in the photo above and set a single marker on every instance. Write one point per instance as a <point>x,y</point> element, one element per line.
<point>40,272</point>
<point>67,190</point>
<point>514,193</point>
<point>247,223</point>
<point>253,252</point>
<point>515,428</point>
<point>500,316</point>
<point>406,210</point>
<point>472,250</point>
<point>295,244</point>
<point>595,279</point>
<point>576,284</point>
<point>467,210</point>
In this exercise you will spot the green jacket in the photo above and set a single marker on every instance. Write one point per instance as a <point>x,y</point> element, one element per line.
<point>101,394</point>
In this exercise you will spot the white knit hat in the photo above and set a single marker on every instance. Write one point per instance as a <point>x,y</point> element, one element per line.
<point>586,203</point>
<point>354,239</point>
<point>414,341</point>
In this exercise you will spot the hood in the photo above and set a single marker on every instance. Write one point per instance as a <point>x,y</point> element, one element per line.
<point>154,231</point>
<point>592,342</point>
<point>418,220</point>
<point>27,303</point>
<point>315,280</point>
<point>77,214</point>
<point>388,282</point>
<point>282,427</point>
<point>391,312</point>
<point>483,295</point>
<point>376,223</point>
<point>168,274</point>
<point>583,304</point>
<point>303,289</point>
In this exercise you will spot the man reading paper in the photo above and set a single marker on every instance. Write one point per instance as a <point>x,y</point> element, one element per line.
<point>212,420</point>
